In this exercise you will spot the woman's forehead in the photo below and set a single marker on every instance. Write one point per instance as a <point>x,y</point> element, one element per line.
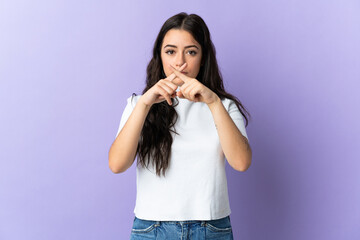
<point>179,38</point>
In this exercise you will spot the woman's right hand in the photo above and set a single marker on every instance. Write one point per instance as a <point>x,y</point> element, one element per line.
<point>164,89</point>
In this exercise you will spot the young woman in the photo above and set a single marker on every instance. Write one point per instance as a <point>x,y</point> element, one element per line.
<point>181,128</point>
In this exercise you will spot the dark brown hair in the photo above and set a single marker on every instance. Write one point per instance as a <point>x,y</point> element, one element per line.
<point>155,139</point>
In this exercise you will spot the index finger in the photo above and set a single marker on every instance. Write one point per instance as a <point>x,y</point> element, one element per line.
<point>180,74</point>
<point>172,76</point>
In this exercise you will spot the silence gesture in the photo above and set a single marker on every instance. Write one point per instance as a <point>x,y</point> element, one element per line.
<point>192,89</point>
<point>164,89</point>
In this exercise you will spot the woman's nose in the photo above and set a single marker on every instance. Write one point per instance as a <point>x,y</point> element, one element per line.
<point>180,60</point>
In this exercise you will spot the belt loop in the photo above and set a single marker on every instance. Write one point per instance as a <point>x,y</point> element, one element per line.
<point>203,223</point>
<point>157,223</point>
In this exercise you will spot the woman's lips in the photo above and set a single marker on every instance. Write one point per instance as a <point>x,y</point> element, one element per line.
<point>184,72</point>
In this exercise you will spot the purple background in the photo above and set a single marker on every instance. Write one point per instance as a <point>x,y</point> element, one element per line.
<point>67,67</point>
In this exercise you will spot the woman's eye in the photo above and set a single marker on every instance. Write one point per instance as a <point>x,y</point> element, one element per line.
<point>192,53</point>
<point>170,52</point>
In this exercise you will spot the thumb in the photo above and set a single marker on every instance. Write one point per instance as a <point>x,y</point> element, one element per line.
<point>179,94</point>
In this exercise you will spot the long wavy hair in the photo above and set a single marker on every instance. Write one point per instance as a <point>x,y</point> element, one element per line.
<point>156,139</point>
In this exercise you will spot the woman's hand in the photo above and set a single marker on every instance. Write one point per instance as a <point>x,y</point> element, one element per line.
<point>164,89</point>
<point>194,90</point>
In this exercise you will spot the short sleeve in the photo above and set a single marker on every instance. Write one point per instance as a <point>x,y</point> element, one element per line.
<point>126,113</point>
<point>237,117</point>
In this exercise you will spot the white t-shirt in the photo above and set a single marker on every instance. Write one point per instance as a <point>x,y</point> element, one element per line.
<point>195,186</point>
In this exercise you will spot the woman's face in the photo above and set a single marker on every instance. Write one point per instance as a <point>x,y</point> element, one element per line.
<point>180,47</point>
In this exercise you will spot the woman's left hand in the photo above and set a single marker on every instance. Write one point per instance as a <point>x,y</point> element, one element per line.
<point>194,90</point>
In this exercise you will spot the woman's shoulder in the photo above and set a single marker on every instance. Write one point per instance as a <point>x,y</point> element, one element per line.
<point>227,102</point>
<point>225,99</point>
<point>133,99</point>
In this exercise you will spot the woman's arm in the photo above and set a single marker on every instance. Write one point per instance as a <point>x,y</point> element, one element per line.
<point>122,152</point>
<point>235,146</point>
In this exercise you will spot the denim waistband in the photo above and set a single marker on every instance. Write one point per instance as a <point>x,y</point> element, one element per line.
<point>202,222</point>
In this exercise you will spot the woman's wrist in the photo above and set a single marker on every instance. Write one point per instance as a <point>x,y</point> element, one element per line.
<point>215,102</point>
<point>144,104</point>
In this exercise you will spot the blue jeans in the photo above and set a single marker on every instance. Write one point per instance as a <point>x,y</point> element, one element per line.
<point>219,229</point>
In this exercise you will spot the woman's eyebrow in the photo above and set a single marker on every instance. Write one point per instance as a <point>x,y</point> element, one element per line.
<point>169,45</point>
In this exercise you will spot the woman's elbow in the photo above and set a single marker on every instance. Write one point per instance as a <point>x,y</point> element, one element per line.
<point>119,166</point>
<point>241,168</point>
<point>244,164</point>
<point>244,167</point>
<point>115,168</point>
